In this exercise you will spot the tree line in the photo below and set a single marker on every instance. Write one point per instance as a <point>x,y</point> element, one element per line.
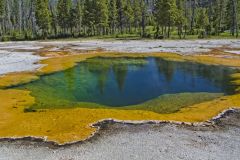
<point>41,19</point>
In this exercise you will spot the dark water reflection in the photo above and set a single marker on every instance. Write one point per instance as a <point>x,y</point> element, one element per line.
<point>128,81</point>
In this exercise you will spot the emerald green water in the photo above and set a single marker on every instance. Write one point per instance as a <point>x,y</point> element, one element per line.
<point>146,83</point>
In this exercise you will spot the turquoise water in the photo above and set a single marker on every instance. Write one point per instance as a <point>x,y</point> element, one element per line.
<point>127,81</point>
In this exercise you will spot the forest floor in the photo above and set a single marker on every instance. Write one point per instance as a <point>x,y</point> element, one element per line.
<point>141,142</point>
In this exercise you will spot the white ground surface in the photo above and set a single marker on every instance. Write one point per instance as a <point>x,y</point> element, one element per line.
<point>234,52</point>
<point>20,45</point>
<point>13,58</point>
<point>145,46</point>
<point>137,143</point>
<point>17,56</point>
<point>17,62</point>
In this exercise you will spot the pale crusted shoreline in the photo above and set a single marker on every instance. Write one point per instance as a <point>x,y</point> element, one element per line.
<point>23,58</point>
<point>141,141</point>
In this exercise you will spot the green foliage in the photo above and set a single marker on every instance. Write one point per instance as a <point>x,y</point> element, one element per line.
<point>202,22</point>
<point>202,19</point>
<point>74,18</point>
<point>112,15</point>
<point>96,16</point>
<point>42,16</point>
<point>162,18</point>
<point>180,19</point>
<point>1,8</point>
<point>218,14</point>
<point>144,15</point>
<point>6,38</point>
<point>78,15</point>
<point>101,16</point>
<point>88,16</point>
<point>128,13</point>
<point>136,13</point>
<point>120,9</point>
<point>63,13</point>
<point>232,16</point>
<point>166,14</point>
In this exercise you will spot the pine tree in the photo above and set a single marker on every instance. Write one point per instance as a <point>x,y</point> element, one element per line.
<point>180,19</point>
<point>60,14</point>
<point>166,15</point>
<point>160,19</point>
<point>143,17</point>
<point>210,14</point>
<point>1,16</point>
<point>193,4</point>
<point>202,21</point>
<point>128,13</point>
<point>219,10</point>
<point>236,16</point>
<point>112,14</point>
<point>72,21</point>
<point>89,17</point>
<point>101,16</point>
<point>120,9</point>
<point>54,21</point>
<point>75,18</point>
<point>79,14</point>
<point>63,14</point>
<point>232,16</point>
<point>43,16</point>
<point>137,13</point>
<point>1,8</point>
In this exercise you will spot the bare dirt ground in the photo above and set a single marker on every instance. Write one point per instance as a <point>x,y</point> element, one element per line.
<point>141,142</point>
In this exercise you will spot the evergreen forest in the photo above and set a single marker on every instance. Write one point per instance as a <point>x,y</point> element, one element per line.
<point>159,19</point>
